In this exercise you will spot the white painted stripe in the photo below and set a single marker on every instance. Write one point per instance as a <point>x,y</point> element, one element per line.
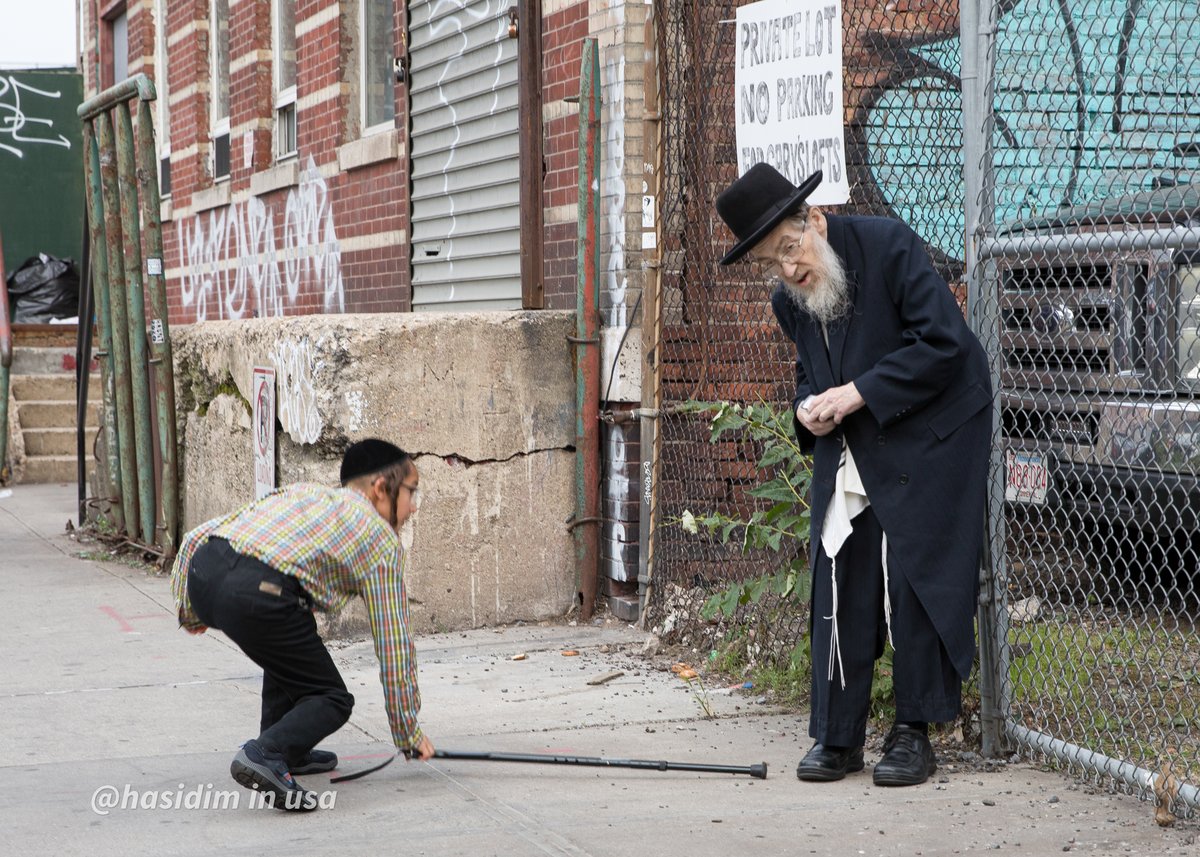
<point>312,99</point>
<point>187,31</point>
<point>327,15</point>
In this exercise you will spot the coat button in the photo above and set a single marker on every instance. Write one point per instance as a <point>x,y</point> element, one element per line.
<point>881,440</point>
<point>903,478</point>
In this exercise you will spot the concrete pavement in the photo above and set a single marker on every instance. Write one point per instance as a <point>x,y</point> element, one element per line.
<point>105,700</point>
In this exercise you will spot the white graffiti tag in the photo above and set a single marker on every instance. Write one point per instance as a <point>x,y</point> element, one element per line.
<point>617,493</point>
<point>297,398</point>
<point>231,264</point>
<point>16,124</point>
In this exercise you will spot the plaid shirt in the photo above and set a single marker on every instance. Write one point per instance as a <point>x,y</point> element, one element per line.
<point>336,544</point>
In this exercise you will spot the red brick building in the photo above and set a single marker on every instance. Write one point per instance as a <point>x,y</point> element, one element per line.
<point>350,156</point>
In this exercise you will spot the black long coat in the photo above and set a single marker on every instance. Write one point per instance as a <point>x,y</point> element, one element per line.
<point>921,441</point>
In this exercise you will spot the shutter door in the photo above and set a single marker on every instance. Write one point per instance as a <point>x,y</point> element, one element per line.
<point>465,226</point>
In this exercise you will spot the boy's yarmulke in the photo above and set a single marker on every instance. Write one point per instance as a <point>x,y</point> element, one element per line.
<point>369,456</point>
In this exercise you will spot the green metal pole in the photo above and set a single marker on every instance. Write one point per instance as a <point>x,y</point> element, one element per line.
<point>120,323</point>
<point>143,432</point>
<point>587,334</point>
<point>5,363</point>
<point>111,467</point>
<point>161,357</point>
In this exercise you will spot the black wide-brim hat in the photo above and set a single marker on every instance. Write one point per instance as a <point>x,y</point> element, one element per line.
<point>758,202</point>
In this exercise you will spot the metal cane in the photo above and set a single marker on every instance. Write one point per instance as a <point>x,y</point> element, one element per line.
<point>758,771</point>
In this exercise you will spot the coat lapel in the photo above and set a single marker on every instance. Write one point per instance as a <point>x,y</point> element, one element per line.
<point>840,332</point>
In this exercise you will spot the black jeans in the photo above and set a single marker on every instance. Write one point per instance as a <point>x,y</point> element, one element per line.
<point>269,616</point>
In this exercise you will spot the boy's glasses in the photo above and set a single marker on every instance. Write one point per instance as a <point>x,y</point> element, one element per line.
<point>772,266</point>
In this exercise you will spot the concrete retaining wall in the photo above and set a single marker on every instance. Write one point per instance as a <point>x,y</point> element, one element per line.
<point>484,401</point>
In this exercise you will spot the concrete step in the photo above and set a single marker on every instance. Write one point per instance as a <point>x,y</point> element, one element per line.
<point>42,469</point>
<point>32,360</point>
<point>35,414</point>
<point>58,386</point>
<point>55,441</point>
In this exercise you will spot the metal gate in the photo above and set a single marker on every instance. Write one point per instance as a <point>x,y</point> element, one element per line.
<point>465,173</point>
<point>1046,161</point>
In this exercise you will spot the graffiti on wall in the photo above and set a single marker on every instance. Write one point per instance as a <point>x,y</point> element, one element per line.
<point>1093,98</point>
<point>296,398</point>
<point>617,492</point>
<point>19,120</point>
<point>613,194</point>
<point>234,264</point>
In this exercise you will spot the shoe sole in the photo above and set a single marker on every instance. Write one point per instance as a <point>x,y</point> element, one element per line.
<point>887,779</point>
<point>258,778</point>
<point>315,768</point>
<point>824,775</point>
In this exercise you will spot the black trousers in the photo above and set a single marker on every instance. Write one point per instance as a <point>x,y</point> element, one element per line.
<point>269,616</point>
<point>927,687</point>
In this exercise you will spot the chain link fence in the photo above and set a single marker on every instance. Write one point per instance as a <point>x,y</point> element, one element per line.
<point>1088,289</point>
<point>1085,289</point>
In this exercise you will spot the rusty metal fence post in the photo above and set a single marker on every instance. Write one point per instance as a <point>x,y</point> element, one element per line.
<point>586,525</point>
<point>123,213</point>
<point>5,364</point>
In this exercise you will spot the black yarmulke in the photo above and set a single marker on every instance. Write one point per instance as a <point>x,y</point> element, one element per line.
<point>369,456</point>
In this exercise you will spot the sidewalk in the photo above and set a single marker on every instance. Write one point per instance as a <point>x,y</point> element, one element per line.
<point>106,697</point>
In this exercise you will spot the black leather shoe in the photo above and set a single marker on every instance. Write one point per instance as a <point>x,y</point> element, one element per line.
<point>908,758</point>
<point>824,764</point>
<point>316,762</point>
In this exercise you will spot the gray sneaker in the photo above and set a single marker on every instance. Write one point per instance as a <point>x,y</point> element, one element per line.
<point>253,768</point>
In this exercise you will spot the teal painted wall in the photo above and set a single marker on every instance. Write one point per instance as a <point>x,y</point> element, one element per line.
<point>1093,99</point>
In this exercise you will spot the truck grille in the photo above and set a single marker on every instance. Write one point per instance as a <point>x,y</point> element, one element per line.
<point>1075,328</point>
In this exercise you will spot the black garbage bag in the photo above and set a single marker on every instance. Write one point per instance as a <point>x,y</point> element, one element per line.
<point>43,288</point>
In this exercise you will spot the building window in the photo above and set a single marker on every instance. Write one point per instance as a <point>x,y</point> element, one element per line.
<point>285,78</point>
<point>219,29</point>
<point>117,69</point>
<point>378,54</point>
<point>162,93</point>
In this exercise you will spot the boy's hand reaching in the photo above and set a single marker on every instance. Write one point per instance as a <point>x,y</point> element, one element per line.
<point>423,751</point>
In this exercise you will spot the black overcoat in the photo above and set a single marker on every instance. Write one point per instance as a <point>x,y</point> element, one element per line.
<point>921,442</point>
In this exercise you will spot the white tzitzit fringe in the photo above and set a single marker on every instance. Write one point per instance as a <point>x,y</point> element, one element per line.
<point>887,595</point>
<point>835,650</point>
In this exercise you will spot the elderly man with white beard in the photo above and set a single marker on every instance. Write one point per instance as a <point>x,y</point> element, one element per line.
<point>893,402</point>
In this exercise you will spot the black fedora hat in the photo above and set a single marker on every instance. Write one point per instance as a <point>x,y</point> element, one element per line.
<point>757,202</point>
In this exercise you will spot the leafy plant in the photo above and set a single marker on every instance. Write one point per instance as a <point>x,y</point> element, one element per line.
<point>781,527</point>
<point>782,524</point>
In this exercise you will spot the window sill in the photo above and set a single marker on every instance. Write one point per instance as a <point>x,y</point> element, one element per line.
<point>213,197</point>
<point>166,210</point>
<point>286,174</point>
<point>373,149</point>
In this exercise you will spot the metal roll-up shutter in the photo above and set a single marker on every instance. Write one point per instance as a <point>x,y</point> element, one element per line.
<point>465,223</point>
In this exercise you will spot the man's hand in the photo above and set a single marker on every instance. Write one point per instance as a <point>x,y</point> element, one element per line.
<point>808,419</point>
<point>423,750</point>
<point>831,407</point>
<point>198,630</point>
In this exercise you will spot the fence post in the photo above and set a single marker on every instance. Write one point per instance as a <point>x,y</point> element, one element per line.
<point>586,525</point>
<point>976,44</point>
<point>5,363</point>
<point>161,355</point>
<point>110,468</point>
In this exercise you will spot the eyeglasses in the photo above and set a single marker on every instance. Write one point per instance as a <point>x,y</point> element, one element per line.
<point>772,266</point>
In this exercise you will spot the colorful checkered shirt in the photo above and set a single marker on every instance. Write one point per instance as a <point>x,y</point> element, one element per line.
<point>337,545</point>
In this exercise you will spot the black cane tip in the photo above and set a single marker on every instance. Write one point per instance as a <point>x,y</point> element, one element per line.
<point>759,772</point>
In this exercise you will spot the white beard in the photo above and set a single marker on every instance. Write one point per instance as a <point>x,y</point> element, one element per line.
<point>828,300</point>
